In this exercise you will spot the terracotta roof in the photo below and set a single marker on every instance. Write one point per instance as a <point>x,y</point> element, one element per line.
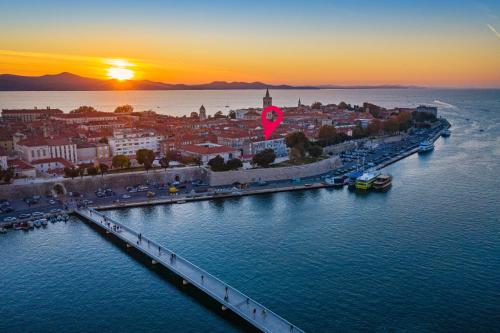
<point>35,142</point>
<point>61,160</point>
<point>19,164</point>
<point>203,150</point>
<point>31,111</point>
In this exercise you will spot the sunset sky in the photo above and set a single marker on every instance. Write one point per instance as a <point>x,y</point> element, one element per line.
<point>452,43</point>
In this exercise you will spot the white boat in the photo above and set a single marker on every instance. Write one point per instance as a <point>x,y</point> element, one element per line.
<point>3,230</point>
<point>37,223</point>
<point>445,133</point>
<point>425,146</point>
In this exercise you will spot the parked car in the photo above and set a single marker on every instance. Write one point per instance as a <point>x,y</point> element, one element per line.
<point>9,219</point>
<point>126,196</point>
<point>37,214</point>
<point>24,216</point>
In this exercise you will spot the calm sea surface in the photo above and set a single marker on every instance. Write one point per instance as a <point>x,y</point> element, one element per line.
<point>424,257</point>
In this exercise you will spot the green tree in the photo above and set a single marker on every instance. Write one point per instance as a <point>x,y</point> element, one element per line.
<point>164,162</point>
<point>84,109</point>
<point>70,172</point>
<point>232,114</point>
<point>145,157</point>
<point>92,171</point>
<point>234,164</point>
<point>374,128</point>
<point>316,105</point>
<point>315,151</point>
<point>217,164</point>
<point>358,132</point>
<point>103,168</point>
<point>297,141</point>
<point>124,109</point>
<point>219,114</point>
<point>264,158</point>
<point>343,105</point>
<point>327,133</point>
<point>121,161</point>
<point>391,126</point>
<point>81,171</point>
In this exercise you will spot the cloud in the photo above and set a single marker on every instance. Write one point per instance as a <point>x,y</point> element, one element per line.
<point>493,30</point>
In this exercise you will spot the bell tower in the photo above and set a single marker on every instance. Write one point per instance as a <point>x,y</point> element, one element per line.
<point>267,100</point>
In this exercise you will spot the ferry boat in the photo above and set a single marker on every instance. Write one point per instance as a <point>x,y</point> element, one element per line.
<point>382,183</point>
<point>425,146</point>
<point>365,181</point>
<point>445,133</point>
<point>351,182</point>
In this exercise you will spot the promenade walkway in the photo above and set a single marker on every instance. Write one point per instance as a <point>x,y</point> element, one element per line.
<point>229,297</point>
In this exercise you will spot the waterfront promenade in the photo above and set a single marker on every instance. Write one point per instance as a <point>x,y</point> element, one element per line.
<point>230,298</point>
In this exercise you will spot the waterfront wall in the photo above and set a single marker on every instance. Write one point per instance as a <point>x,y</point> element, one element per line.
<point>90,184</point>
<point>271,174</point>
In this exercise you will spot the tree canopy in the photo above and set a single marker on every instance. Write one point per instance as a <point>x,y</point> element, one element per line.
<point>124,109</point>
<point>217,163</point>
<point>145,157</point>
<point>297,141</point>
<point>84,109</point>
<point>121,161</point>
<point>264,158</point>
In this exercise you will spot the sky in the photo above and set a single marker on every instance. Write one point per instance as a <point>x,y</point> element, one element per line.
<point>425,43</point>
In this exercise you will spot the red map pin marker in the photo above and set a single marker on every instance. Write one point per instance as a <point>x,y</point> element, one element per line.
<point>269,125</point>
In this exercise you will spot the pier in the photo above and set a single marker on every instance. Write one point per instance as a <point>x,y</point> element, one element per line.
<point>230,298</point>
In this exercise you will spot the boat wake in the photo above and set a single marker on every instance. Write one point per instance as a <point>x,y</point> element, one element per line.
<point>436,101</point>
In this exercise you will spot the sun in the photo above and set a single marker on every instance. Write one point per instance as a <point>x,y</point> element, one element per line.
<point>120,69</point>
<point>120,73</point>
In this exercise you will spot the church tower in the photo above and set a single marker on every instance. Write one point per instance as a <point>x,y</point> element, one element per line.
<point>203,113</point>
<point>267,100</point>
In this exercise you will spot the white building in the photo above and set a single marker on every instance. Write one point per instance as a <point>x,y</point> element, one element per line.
<point>41,148</point>
<point>128,142</point>
<point>278,145</point>
<point>206,151</point>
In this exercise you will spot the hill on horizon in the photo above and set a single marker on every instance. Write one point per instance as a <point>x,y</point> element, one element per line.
<point>71,82</point>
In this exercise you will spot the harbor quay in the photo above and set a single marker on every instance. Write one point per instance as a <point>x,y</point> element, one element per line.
<point>125,196</point>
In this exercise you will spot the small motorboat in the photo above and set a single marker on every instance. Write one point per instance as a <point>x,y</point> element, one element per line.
<point>17,226</point>
<point>37,223</point>
<point>3,230</point>
<point>44,222</point>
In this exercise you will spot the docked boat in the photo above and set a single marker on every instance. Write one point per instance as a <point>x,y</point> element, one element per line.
<point>425,146</point>
<point>351,180</point>
<point>37,223</point>
<point>17,226</point>
<point>65,217</point>
<point>337,182</point>
<point>382,182</point>
<point>366,180</point>
<point>3,230</point>
<point>43,222</point>
<point>445,133</point>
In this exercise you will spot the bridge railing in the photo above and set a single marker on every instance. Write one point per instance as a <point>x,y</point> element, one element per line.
<point>254,303</point>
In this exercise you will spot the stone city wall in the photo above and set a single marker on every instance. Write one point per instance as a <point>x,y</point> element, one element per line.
<point>89,184</point>
<point>270,174</point>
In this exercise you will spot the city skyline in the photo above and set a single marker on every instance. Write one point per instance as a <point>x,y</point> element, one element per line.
<point>447,44</point>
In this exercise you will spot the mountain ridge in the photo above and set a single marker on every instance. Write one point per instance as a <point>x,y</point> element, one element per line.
<point>66,81</point>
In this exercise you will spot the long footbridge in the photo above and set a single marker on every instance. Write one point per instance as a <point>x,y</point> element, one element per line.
<point>230,298</point>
